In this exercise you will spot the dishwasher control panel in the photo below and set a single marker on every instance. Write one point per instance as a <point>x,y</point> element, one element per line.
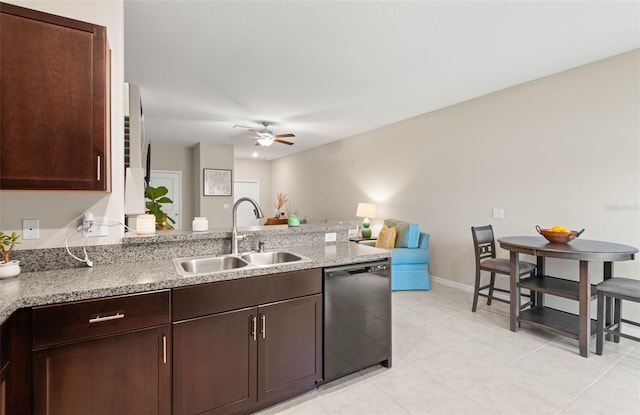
<point>376,268</point>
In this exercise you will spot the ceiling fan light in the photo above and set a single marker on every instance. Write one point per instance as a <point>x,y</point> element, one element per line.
<point>265,142</point>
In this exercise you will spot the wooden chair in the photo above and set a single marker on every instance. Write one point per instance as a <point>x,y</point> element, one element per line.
<point>619,289</point>
<point>485,250</point>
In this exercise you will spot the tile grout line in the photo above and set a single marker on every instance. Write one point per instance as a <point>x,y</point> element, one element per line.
<point>595,381</point>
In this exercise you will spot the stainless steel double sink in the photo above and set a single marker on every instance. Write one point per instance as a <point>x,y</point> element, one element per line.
<point>210,264</point>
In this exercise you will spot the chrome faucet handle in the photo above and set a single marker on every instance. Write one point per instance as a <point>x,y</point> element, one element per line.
<point>260,246</point>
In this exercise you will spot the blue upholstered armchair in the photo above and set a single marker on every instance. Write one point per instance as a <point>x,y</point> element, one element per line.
<point>411,256</point>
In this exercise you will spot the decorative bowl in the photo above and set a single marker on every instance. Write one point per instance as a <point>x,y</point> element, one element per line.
<point>558,237</point>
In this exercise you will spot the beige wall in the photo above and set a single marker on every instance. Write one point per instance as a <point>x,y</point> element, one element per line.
<point>180,158</point>
<point>217,209</point>
<point>559,150</point>
<point>60,212</point>
<point>177,158</point>
<point>260,170</point>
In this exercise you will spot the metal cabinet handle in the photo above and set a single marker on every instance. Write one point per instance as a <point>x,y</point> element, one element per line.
<point>99,160</point>
<point>264,326</point>
<point>164,349</point>
<point>99,319</point>
<point>254,330</point>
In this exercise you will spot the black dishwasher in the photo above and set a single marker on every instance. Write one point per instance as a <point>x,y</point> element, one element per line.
<point>357,318</point>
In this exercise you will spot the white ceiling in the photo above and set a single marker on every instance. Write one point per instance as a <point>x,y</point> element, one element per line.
<point>327,70</point>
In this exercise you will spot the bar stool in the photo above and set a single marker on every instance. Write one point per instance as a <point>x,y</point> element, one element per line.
<point>485,249</point>
<point>618,289</point>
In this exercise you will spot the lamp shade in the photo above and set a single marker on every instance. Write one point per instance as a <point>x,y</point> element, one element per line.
<point>366,210</point>
<point>134,191</point>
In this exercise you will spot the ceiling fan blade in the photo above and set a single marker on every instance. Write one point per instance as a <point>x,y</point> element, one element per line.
<point>277,140</point>
<point>284,135</point>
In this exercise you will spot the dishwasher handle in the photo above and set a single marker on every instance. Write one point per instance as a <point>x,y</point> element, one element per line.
<point>356,269</point>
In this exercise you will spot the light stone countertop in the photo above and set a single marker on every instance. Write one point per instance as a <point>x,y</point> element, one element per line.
<point>57,286</point>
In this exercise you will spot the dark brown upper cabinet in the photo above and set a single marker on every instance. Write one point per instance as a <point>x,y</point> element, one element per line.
<point>54,102</point>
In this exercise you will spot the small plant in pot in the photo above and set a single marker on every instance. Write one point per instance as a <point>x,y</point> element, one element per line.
<point>156,198</point>
<point>8,268</point>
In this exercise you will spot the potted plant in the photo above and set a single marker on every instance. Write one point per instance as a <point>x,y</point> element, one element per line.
<point>157,197</point>
<point>8,268</point>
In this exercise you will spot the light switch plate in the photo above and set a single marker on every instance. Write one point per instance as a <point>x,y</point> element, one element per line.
<point>30,229</point>
<point>498,213</point>
<point>330,237</point>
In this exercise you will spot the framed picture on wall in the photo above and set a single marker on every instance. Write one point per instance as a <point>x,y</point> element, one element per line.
<point>217,182</point>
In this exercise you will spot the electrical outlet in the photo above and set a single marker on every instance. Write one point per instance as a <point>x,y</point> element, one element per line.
<point>96,227</point>
<point>330,237</point>
<point>30,229</point>
<point>498,213</point>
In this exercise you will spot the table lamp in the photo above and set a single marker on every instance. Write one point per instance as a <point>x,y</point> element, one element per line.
<point>366,211</point>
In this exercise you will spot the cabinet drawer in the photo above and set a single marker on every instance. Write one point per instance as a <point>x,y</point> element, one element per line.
<point>62,323</point>
<point>217,297</point>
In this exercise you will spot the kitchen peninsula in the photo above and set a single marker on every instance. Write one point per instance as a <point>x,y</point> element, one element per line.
<point>134,300</point>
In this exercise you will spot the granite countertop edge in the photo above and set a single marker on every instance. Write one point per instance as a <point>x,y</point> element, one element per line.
<point>39,288</point>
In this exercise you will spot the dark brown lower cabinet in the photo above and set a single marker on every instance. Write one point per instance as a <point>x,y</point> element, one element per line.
<point>4,369</point>
<point>239,361</point>
<point>233,347</point>
<point>214,363</point>
<point>3,390</point>
<point>103,356</point>
<point>121,374</point>
<point>15,364</point>
<point>289,348</point>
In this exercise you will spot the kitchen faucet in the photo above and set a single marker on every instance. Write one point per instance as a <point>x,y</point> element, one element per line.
<point>234,229</point>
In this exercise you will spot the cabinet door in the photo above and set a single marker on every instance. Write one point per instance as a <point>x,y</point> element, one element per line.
<point>15,369</point>
<point>120,374</point>
<point>290,348</point>
<point>3,391</point>
<point>53,102</point>
<point>4,365</point>
<point>214,363</point>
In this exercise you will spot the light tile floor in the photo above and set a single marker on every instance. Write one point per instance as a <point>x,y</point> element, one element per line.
<point>448,360</point>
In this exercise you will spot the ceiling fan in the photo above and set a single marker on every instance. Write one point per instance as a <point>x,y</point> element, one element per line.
<point>266,137</point>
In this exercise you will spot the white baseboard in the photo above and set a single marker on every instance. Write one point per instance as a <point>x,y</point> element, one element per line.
<point>453,284</point>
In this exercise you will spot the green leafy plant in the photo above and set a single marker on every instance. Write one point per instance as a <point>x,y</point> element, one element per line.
<point>157,197</point>
<point>8,242</point>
